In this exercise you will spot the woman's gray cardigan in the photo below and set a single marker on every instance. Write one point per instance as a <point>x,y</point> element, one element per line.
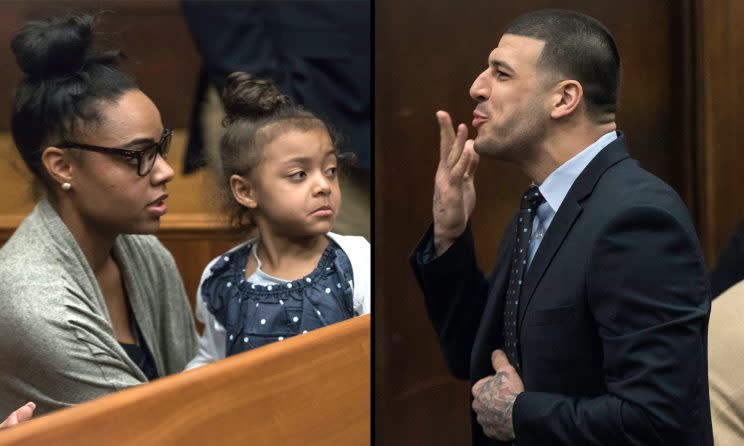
<point>57,344</point>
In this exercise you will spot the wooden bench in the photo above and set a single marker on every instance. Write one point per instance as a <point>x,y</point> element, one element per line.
<point>312,389</point>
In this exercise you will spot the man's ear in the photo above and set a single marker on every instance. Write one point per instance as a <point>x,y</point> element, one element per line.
<point>57,164</point>
<point>566,97</point>
<point>243,191</point>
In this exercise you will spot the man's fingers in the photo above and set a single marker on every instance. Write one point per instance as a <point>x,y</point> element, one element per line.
<point>458,145</point>
<point>459,169</point>
<point>499,360</point>
<point>446,134</point>
<point>451,140</point>
<point>473,164</point>
<point>470,159</point>
<point>478,385</point>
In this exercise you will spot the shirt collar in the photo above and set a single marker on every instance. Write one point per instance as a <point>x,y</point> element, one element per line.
<point>556,185</point>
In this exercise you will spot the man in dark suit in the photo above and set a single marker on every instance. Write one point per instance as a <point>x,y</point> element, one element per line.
<point>592,327</point>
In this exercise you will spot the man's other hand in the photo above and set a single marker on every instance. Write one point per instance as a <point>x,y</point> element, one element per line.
<point>493,398</point>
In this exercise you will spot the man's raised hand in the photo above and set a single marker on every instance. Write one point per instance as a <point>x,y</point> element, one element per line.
<point>454,189</point>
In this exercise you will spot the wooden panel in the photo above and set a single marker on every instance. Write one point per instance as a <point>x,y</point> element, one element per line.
<point>312,389</point>
<point>426,59</point>
<point>721,99</point>
<point>166,71</point>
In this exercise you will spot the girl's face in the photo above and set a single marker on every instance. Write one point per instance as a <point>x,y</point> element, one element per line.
<point>294,186</point>
<point>106,189</point>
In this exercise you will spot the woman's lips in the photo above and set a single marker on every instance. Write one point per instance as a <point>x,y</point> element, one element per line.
<point>158,206</point>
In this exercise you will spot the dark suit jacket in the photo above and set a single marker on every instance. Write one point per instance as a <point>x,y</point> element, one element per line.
<point>613,315</point>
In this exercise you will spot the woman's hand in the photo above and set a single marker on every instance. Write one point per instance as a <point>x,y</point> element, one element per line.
<point>20,415</point>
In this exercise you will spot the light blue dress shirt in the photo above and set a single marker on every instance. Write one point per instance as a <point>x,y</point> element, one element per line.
<point>556,186</point>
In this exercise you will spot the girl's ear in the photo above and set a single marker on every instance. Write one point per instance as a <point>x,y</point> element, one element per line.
<point>243,191</point>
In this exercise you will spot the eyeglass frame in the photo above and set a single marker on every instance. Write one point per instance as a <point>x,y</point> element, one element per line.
<point>162,150</point>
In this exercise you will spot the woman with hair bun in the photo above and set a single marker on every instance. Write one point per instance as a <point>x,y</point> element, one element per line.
<point>279,182</point>
<point>88,307</point>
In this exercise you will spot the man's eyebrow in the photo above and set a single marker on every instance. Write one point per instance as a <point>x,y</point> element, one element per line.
<point>138,141</point>
<point>498,64</point>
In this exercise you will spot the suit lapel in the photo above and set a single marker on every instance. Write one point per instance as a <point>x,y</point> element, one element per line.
<point>565,217</point>
<point>559,228</point>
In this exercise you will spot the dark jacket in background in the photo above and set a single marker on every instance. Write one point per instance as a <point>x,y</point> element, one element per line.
<point>317,52</point>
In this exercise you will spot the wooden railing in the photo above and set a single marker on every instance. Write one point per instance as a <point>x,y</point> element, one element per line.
<point>312,389</point>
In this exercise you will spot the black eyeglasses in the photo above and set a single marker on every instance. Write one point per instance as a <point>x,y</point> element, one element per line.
<point>145,157</point>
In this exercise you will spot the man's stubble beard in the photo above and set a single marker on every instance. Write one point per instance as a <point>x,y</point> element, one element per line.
<point>518,146</point>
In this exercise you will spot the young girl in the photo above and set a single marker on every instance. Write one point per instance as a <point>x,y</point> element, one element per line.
<point>278,173</point>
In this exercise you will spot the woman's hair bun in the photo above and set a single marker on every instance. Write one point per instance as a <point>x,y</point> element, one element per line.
<point>53,47</point>
<point>247,97</point>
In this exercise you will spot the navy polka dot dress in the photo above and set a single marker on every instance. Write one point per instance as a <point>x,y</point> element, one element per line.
<point>256,315</point>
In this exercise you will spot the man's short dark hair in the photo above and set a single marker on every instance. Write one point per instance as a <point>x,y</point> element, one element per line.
<point>578,47</point>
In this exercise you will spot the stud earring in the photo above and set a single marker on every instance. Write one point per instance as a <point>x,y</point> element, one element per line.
<point>66,186</point>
